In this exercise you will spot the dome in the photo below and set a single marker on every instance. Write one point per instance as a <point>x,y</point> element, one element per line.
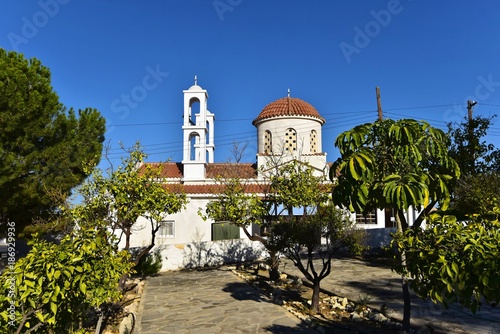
<point>195,87</point>
<point>288,106</point>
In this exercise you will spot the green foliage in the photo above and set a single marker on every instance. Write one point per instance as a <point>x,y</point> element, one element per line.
<point>55,284</point>
<point>476,195</point>
<point>473,154</point>
<point>235,205</point>
<point>150,264</point>
<point>451,261</point>
<point>131,191</point>
<point>42,145</point>
<point>393,164</point>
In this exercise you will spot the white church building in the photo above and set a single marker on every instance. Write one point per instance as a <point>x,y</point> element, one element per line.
<point>288,128</point>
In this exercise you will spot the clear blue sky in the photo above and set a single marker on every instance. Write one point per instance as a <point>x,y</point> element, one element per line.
<point>427,57</point>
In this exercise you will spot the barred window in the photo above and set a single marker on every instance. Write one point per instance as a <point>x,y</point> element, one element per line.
<point>367,218</point>
<point>268,142</point>
<point>291,140</point>
<point>314,142</point>
<point>167,229</point>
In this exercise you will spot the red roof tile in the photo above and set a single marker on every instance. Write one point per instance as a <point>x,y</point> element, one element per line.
<point>288,106</point>
<point>212,188</point>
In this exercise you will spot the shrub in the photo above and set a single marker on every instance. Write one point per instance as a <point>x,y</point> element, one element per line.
<point>52,288</point>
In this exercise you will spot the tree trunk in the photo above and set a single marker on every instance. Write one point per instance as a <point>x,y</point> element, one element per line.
<point>402,226</point>
<point>274,273</point>
<point>315,297</point>
<point>407,304</point>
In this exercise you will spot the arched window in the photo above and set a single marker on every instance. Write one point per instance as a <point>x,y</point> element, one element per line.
<point>194,108</point>
<point>268,142</point>
<point>314,142</point>
<point>194,141</point>
<point>291,140</point>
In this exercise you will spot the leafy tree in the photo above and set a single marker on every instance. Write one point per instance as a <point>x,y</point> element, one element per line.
<point>454,262</point>
<point>131,191</point>
<point>51,289</point>
<point>398,165</point>
<point>236,205</point>
<point>476,195</point>
<point>479,163</point>
<point>42,144</point>
<point>287,187</point>
<point>295,187</point>
<point>467,146</point>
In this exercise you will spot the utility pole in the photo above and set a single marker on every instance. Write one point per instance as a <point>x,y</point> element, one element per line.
<point>379,104</point>
<point>472,148</point>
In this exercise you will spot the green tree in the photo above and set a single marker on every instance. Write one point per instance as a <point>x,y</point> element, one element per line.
<point>131,191</point>
<point>317,228</point>
<point>236,205</point>
<point>476,195</point>
<point>479,163</point>
<point>51,289</point>
<point>398,165</point>
<point>468,147</point>
<point>42,144</point>
<point>454,262</point>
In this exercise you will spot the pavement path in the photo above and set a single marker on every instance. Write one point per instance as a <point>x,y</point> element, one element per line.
<point>379,286</point>
<point>210,301</point>
<point>218,301</point>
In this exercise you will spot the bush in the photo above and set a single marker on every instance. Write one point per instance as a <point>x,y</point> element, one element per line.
<point>150,264</point>
<point>53,287</point>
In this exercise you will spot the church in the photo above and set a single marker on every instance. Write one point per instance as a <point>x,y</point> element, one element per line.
<point>288,128</point>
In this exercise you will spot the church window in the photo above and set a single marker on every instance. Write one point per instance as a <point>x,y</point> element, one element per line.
<point>291,140</point>
<point>314,142</point>
<point>268,142</point>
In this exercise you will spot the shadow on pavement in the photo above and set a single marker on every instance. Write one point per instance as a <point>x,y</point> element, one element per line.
<point>243,291</point>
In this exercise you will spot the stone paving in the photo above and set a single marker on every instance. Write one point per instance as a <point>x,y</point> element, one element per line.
<point>379,286</point>
<point>210,301</point>
<point>217,301</point>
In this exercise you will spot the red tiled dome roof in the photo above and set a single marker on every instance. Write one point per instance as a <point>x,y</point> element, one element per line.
<point>288,106</point>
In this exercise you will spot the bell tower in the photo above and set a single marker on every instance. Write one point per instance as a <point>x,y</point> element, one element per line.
<point>198,129</point>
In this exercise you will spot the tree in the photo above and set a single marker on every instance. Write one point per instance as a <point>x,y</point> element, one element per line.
<point>398,165</point>
<point>236,205</point>
<point>479,163</point>
<point>454,262</point>
<point>51,289</point>
<point>319,228</point>
<point>473,154</point>
<point>131,191</point>
<point>476,195</point>
<point>42,144</point>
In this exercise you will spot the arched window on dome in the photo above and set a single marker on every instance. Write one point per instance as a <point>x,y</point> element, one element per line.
<point>268,142</point>
<point>314,142</point>
<point>291,140</point>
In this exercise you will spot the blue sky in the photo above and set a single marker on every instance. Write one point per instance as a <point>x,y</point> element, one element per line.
<point>427,57</point>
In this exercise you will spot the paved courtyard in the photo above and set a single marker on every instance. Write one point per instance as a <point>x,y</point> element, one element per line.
<point>210,301</point>
<point>218,301</point>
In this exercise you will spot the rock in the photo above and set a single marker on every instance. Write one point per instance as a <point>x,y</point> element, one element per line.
<point>283,277</point>
<point>356,317</point>
<point>378,317</point>
<point>128,324</point>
